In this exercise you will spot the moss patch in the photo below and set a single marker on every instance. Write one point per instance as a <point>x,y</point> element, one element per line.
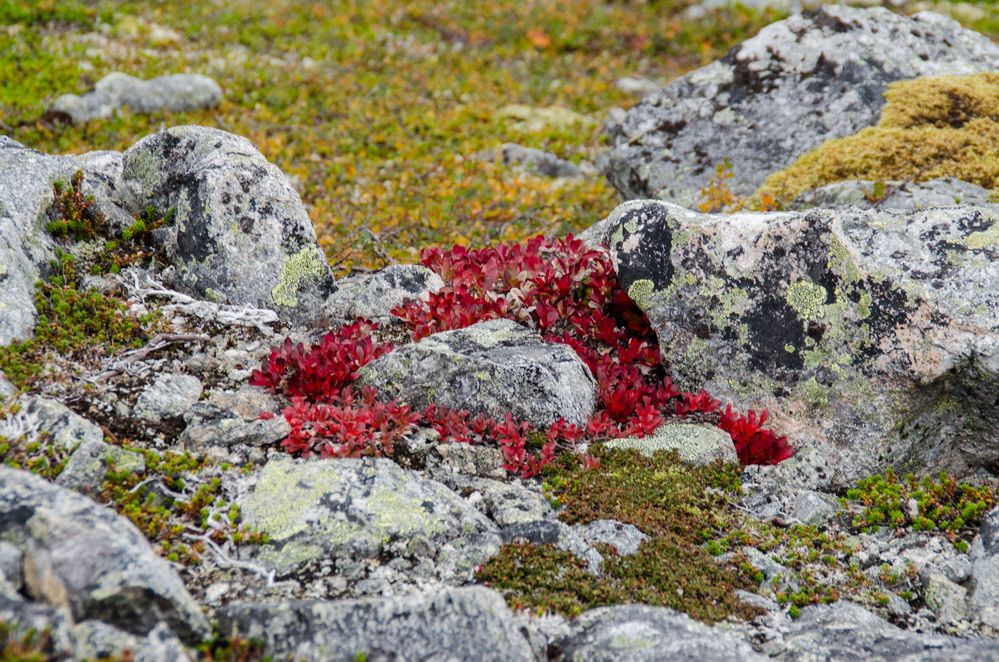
<point>930,127</point>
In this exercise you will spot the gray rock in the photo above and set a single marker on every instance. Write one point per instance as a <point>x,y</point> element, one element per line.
<point>468,459</point>
<point>169,396</point>
<point>909,196</point>
<point>990,531</point>
<point>374,296</point>
<point>97,640</point>
<point>984,600</point>
<point>452,624</point>
<point>64,427</point>
<point>846,631</point>
<point>815,508</point>
<point>634,633</point>
<point>554,532</point>
<point>362,509</point>
<point>492,368</point>
<point>172,93</point>
<point>84,558</point>
<point>27,621</point>
<point>508,504</point>
<point>796,84</point>
<point>624,537</point>
<point>697,444</point>
<point>947,600</point>
<point>12,565</point>
<point>240,234</point>
<point>871,337</point>
<point>536,161</point>
<point>7,389</point>
<point>639,86</point>
<point>232,431</point>
<point>90,462</point>
<point>26,195</point>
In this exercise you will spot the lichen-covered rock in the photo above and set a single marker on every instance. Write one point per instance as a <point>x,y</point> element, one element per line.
<point>451,624</point>
<point>7,389</point>
<point>374,296</point>
<point>815,508</point>
<point>984,599</point>
<point>624,537</point>
<point>796,84</point>
<point>943,192</point>
<point>84,558</point>
<point>169,396</point>
<point>26,194</point>
<point>947,600</point>
<point>492,368</point>
<point>695,443</point>
<point>172,93</point>
<point>62,426</point>
<point>240,234</point>
<point>535,161</point>
<point>636,633</point>
<point>846,631</point>
<point>362,509</point>
<point>90,462</point>
<point>559,534</point>
<point>871,336</point>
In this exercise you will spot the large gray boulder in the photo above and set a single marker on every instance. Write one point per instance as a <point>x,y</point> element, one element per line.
<point>943,192</point>
<point>26,195</point>
<point>846,631</point>
<point>871,335</point>
<point>636,633</point>
<point>452,624</point>
<point>363,509</point>
<point>798,83</point>
<point>240,234</point>
<point>171,93</point>
<point>84,558</point>
<point>492,368</point>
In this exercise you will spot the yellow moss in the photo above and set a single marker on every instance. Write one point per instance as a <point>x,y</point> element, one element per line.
<point>930,127</point>
<point>300,268</point>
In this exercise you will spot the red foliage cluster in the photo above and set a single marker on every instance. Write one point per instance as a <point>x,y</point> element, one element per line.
<point>566,291</point>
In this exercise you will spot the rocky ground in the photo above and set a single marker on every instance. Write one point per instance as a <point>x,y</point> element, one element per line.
<point>747,415</point>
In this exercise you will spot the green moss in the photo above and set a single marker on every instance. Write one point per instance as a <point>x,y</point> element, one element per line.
<point>930,127</point>
<point>304,266</point>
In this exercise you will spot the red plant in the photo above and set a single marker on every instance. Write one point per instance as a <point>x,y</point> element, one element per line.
<point>567,292</point>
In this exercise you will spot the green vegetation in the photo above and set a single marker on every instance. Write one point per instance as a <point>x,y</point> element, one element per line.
<point>18,645</point>
<point>929,504</point>
<point>930,127</point>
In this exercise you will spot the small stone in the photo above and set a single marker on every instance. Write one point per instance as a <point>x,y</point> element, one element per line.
<point>624,537</point>
<point>375,296</point>
<point>947,600</point>
<point>171,93</point>
<point>7,389</point>
<point>90,462</point>
<point>232,431</point>
<point>12,565</point>
<point>169,396</point>
<point>64,427</point>
<point>554,532</point>
<point>696,444</point>
<point>469,459</point>
<point>638,86</point>
<point>535,161</point>
<point>815,508</point>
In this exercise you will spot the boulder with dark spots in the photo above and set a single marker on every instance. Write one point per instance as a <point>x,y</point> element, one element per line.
<point>240,234</point>
<point>871,336</point>
<point>798,83</point>
<point>375,296</point>
<point>352,509</point>
<point>450,624</point>
<point>943,192</point>
<point>171,93</point>
<point>492,368</point>
<point>83,558</point>
<point>636,633</point>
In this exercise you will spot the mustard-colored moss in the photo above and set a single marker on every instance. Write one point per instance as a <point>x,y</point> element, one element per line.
<point>930,127</point>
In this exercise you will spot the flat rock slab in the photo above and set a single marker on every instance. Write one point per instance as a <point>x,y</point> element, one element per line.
<point>874,334</point>
<point>943,192</point>
<point>694,443</point>
<point>240,233</point>
<point>375,296</point>
<point>169,396</point>
<point>453,624</point>
<point>84,558</point>
<point>798,83</point>
<point>171,93</point>
<point>492,368</point>
<point>362,509</point>
<point>636,633</point>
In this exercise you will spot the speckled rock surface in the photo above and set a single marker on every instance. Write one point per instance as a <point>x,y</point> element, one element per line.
<point>362,509</point>
<point>64,427</point>
<point>492,368</point>
<point>625,537</point>
<point>636,633</point>
<point>796,84</point>
<point>86,559</point>
<point>240,234</point>
<point>696,444</point>
<point>944,192</point>
<point>452,624</point>
<point>374,296</point>
<point>169,395</point>
<point>171,93</point>
<point>89,464</point>
<point>554,532</point>
<point>846,631</point>
<point>869,335</point>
